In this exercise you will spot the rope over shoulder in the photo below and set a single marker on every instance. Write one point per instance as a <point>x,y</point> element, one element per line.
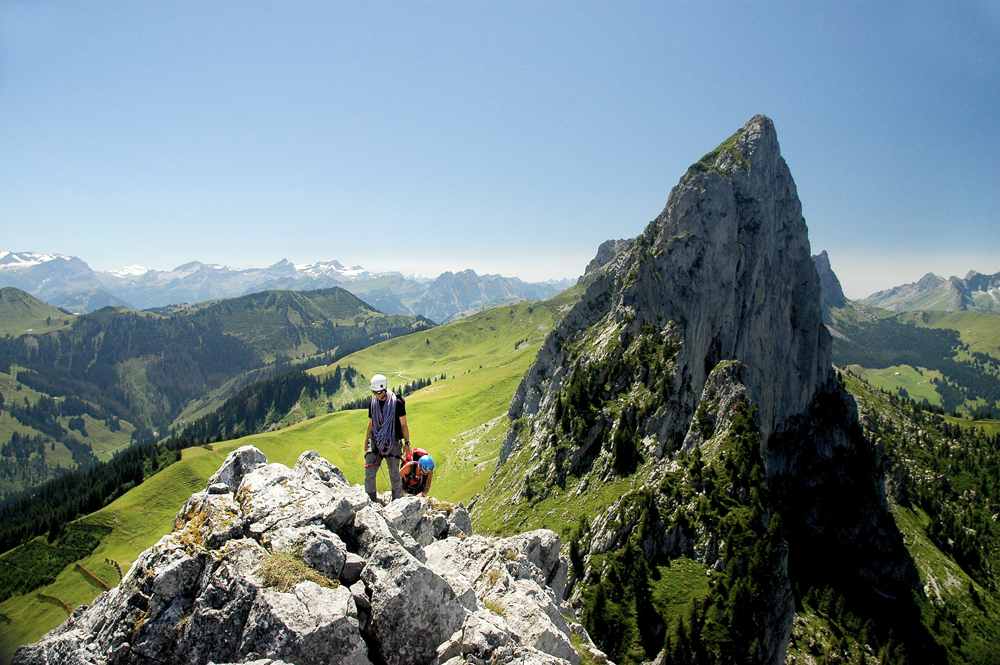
<point>384,422</point>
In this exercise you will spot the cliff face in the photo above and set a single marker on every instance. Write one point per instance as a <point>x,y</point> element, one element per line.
<point>272,564</point>
<point>831,293</point>
<point>727,262</point>
<point>721,279</point>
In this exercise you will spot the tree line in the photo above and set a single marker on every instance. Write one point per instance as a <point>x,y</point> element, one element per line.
<point>887,343</point>
<point>260,404</point>
<point>80,492</point>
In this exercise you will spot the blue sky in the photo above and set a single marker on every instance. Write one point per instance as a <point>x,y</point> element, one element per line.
<point>508,138</point>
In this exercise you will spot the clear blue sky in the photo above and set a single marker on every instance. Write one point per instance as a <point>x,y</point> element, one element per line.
<point>509,138</point>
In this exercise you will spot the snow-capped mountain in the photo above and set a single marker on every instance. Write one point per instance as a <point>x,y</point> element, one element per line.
<point>68,282</point>
<point>21,260</point>
<point>56,277</point>
<point>46,276</point>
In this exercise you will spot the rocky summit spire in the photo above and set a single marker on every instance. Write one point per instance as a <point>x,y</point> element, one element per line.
<point>713,311</point>
<point>727,263</point>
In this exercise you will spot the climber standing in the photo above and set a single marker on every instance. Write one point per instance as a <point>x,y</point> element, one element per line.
<point>388,436</point>
<point>417,472</point>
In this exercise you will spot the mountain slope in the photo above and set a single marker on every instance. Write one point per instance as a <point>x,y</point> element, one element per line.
<point>22,313</point>
<point>80,392</point>
<point>714,311</point>
<point>461,420</point>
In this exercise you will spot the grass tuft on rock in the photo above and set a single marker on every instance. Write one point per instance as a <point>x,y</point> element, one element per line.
<point>282,571</point>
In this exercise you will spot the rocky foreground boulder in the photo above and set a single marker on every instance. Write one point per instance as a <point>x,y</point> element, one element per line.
<point>271,564</point>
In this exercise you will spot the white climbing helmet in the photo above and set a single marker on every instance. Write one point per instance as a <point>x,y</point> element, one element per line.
<point>379,382</point>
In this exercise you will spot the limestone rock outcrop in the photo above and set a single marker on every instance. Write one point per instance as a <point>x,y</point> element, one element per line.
<point>278,565</point>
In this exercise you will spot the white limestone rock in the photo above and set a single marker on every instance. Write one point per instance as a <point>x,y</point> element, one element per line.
<point>237,464</point>
<point>198,595</point>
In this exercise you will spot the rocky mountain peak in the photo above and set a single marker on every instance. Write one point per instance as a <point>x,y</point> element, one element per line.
<point>278,565</point>
<point>727,263</point>
<point>714,310</point>
<point>929,281</point>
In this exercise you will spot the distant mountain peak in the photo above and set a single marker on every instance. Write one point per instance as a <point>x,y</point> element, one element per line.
<point>129,271</point>
<point>929,281</point>
<point>977,292</point>
<point>22,260</point>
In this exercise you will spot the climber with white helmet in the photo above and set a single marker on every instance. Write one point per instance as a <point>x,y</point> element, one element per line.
<point>388,436</point>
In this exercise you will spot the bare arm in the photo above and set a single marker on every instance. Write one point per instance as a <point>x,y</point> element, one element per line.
<point>405,428</point>
<point>406,436</point>
<point>427,487</point>
<point>368,435</point>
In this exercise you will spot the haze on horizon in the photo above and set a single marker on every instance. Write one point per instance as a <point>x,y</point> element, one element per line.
<point>505,138</point>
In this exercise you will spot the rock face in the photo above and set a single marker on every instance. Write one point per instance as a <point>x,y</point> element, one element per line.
<point>831,293</point>
<point>724,273</point>
<point>296,566</point>
<point>728,262</point>
<point>608,250</point>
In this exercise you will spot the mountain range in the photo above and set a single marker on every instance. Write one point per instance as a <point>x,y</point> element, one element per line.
<point>975,293</point>
<point>69,283</point>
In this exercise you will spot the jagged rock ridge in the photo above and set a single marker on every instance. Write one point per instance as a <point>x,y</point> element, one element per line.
<point>403,584</point>
<point>724,273</point>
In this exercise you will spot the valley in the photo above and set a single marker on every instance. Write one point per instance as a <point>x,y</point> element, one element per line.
<point>459,418</point>
<point>952,360</point>
<point>89,385</point>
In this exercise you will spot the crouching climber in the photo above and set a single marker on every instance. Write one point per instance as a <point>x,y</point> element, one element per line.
<point>417,472</point>
<point>387,434</point>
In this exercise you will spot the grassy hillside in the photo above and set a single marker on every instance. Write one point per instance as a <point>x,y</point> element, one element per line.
<point>20,474</point>
<point>981,332</point>
<point>137,520</point>
<point>21,314</point>
<point>461,420</point>
<point>949,359</point>
<point>297,324</point>
<point>915,383</point>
